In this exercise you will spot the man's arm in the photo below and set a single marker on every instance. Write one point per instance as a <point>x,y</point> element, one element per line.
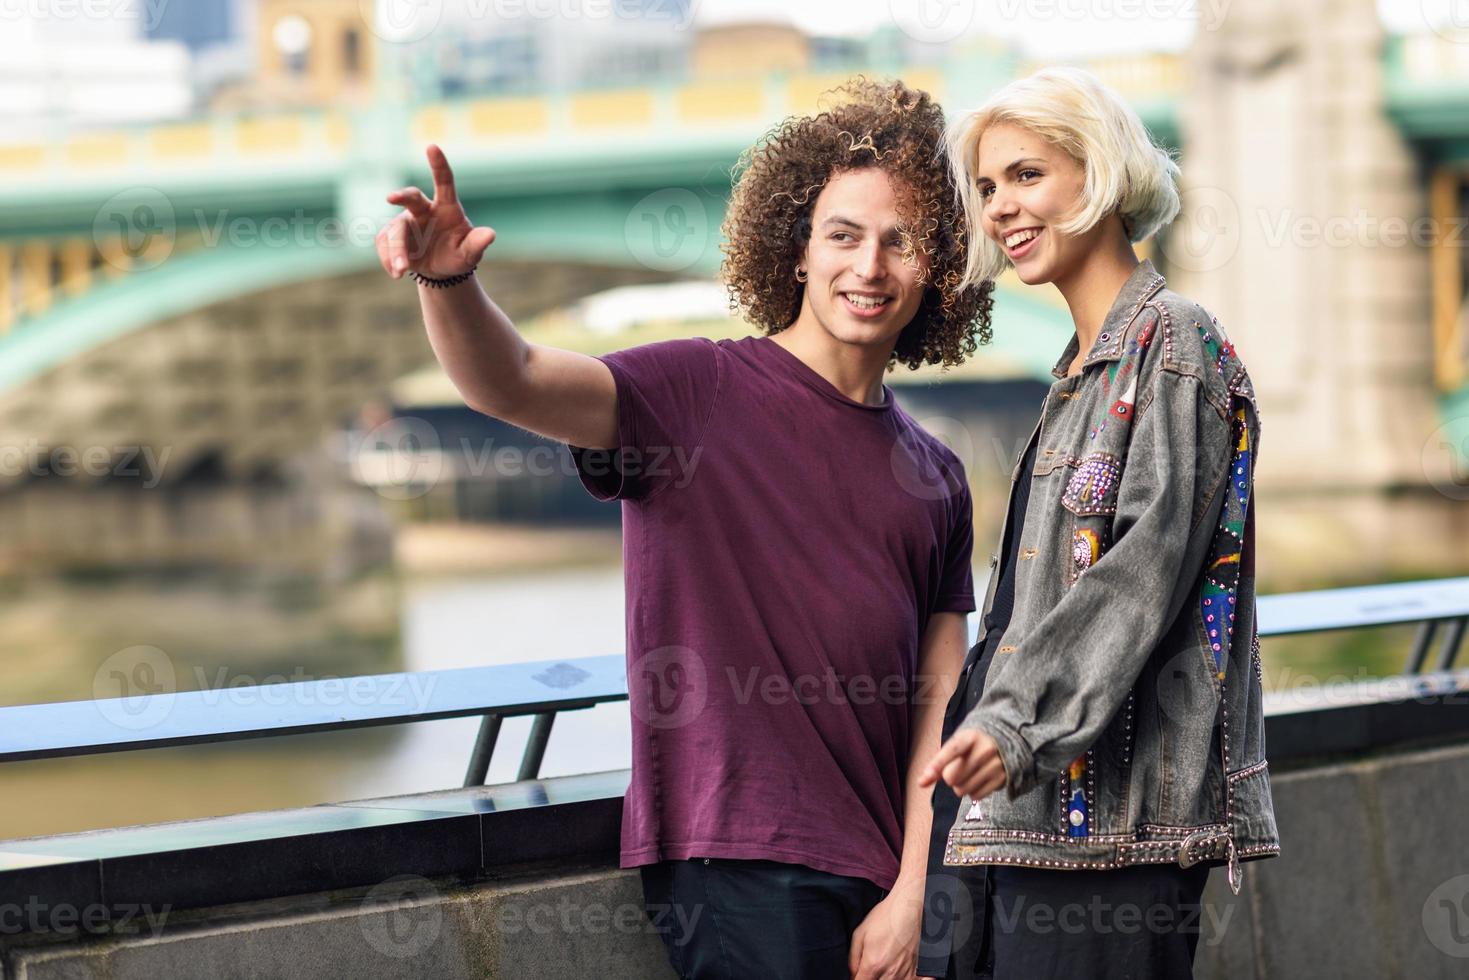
<point>939,659</point>
<point>559,394</point>
<point>891,929</point>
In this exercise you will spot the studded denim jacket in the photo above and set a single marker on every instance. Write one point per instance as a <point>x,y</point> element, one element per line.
<point>1126,697</point>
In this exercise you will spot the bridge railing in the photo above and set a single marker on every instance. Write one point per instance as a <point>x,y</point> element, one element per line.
<point>543,689</point>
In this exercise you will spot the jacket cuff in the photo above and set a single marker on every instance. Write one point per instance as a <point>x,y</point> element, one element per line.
<point>1014,753</point>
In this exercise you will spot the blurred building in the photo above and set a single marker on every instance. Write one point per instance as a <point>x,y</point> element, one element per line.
<point>1302,193</point>
<point>219,36</point>
<point>630,42</point>
<point>308,52</point>
<point>259,54</point>
<point>737,49</point>
<point>64,70</point>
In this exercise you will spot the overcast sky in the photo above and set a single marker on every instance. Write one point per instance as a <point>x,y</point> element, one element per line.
<point>1045,28</point>
<point>1057,28</point>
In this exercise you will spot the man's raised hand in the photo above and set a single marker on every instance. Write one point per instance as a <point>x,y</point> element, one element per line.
<point>434,238</point>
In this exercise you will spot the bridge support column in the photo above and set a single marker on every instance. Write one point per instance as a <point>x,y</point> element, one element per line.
<point>1300,204</point>
<point>35,270</point>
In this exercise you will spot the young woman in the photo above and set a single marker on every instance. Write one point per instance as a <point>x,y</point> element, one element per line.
<point>1114,693</point>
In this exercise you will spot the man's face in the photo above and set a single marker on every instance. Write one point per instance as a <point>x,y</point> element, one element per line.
<point>859,289</point>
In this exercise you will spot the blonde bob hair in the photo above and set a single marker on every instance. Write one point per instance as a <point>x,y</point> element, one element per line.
<point>1126,173</point>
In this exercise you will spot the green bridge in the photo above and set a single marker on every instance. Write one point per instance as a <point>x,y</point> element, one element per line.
<point>211,285</point>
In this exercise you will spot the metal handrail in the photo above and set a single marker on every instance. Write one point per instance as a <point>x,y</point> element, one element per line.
<point>544,688</point>
<point>72,728</point>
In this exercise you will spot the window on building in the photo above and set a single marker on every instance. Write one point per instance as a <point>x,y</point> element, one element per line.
<point>351,52</point>
<point>292,37</point>
<point>500,64</point>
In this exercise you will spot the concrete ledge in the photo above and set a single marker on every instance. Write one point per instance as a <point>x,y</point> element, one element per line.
<point>259,856</point>
<point>521,880</point>
<point>586,923</point>
<point>1372,881</point>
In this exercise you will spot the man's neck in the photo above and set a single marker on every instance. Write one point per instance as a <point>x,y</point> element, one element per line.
<point>856,371</point>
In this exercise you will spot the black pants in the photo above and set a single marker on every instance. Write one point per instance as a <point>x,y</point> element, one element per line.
<point>727,919</point>
<point>1138,923</point>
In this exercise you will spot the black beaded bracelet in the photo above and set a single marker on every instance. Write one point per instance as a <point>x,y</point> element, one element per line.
<point>441,283</point>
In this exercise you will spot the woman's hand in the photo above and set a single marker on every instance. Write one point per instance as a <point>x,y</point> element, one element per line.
<point>969,762</point>
<point>434,238</point>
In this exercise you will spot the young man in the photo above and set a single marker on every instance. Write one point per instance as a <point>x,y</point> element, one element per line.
<point>797,549</point>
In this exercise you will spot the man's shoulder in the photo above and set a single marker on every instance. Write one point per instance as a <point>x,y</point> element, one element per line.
<point>698,348</point>
<point>696,356</point>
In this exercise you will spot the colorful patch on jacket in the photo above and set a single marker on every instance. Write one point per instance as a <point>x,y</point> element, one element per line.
<point>1216,344</point>
<point>1090,487</point>
<point>1122,374</point>
<point>1086,548</point>
<point>1122,407</point>
<point>1077,815</point>
<point>1221,574</point>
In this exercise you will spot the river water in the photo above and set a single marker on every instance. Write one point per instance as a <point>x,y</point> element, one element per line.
<point>466,621</point>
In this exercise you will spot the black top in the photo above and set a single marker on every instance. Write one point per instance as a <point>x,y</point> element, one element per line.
<point>939,900</point>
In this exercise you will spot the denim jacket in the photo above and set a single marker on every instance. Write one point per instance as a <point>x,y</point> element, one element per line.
<point>1126,699</point>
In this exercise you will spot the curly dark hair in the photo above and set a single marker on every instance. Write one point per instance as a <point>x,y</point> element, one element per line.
<point>768,224</point>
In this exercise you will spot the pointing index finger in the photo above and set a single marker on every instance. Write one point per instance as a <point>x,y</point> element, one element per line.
<point>935,767</point>
<point>443,176</point>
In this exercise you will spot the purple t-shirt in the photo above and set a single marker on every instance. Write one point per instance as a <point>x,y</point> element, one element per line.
<point>783,547</point>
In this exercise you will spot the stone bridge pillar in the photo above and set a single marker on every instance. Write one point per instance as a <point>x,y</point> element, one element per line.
<point>1304,216</point>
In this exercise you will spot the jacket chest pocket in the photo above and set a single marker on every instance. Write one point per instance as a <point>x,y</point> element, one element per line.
<point>1090,497</point>
<point>1091,490</point>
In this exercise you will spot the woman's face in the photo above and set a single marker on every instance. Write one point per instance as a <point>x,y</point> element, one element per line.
<point>1028,186</point>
